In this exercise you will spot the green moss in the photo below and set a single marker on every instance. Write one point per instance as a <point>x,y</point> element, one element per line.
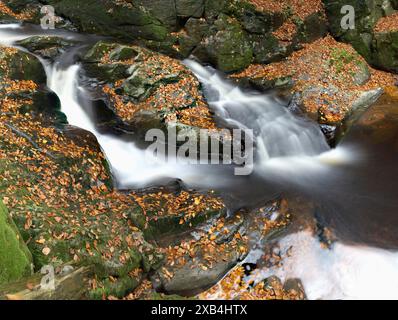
<point>106,18</point>
<point>119,288</point>
<point>22,66</point>
<point>341,57</point>
<point>15,258</point>
<point>232,49</point>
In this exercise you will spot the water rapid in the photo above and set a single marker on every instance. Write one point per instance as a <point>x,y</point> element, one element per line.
<point>291,153</point>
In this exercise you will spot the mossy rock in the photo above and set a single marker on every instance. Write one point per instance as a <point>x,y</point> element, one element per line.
<point>253,20</point>
<point>379,49</point>
<point>227,46</point>
<point>104,17</point>
<point>46,46</point>
<point>173,224</point>
<point>15,258</point>
<point>20,65</point>
<point>190,8</point>
<point>141,90</point>
<point>157,217</point>
<point>386,50</point>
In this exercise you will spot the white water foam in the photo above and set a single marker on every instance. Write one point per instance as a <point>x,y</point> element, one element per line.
<point>131,165</point>
<point>342,272</point>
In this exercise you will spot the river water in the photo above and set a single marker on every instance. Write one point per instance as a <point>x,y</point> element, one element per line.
<point>353,187</point>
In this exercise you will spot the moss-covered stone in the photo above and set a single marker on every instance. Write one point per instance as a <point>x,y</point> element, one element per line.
<point>227,46</point>
<point>15,258</point>
<point>162,213</point>
<point>145,90</point>
<point>190,8</point>
<point>48,47</point>
<point>386,50</point>
<point>378,48</point>
<point>127,21</point>
<point>21,66</point>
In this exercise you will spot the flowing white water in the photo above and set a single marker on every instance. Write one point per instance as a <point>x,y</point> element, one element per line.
<point>130,165</point>
<point>286,144</point>
<point>343,272</point>
<point>279,133</point>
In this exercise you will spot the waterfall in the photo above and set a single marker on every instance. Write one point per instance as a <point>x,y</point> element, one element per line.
<point>289,148</point>
<point>278,132</point>
<point>131,165</point>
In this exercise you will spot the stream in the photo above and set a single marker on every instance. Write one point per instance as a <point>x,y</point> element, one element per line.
<point>353,187</point>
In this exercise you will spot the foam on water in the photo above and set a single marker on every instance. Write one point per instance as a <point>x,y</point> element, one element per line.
<point>342,272</point>
<point>130,165</point>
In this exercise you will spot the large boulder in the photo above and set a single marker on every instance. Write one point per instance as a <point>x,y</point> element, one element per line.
<point>141,19</point>
<point>237,33</point>
<point>201,259</point>
<point>373,35</point>
<point>230,33</point>
<point>227,46</point>
<point>145,90</point>
<point>47,47</point>
<point>385,43</point>
<point>164,213</point>
<point>15,258</point>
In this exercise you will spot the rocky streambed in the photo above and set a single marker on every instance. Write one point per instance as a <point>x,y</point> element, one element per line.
<point>79,196</point>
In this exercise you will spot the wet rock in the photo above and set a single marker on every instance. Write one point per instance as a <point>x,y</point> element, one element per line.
<point>227,46</point>
<point>26,69</point>
<point>141,19</point>
<point>197,263</point>
<point>47,47</point>
<point>145,90</point>
<point>21,66</point>
<point>164,213</point>
<point>190,8</point>
<point>165,26</point>
<point>364,101</point>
